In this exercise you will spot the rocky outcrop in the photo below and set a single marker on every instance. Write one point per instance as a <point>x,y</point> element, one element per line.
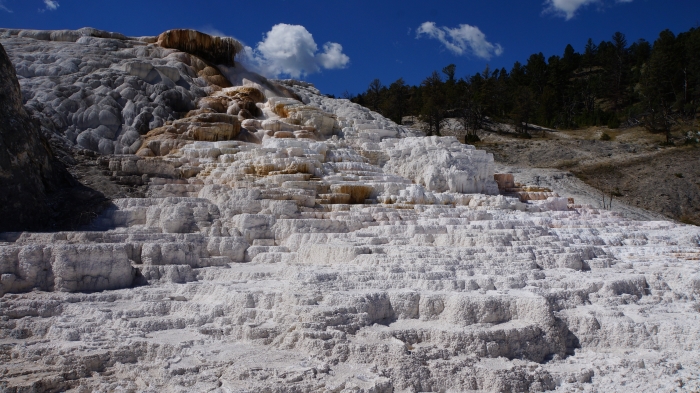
<point>442,164</point>
<point>218,50</point>
<point>102,91</point>
<point>65,268</point>
<point>30,176</point>
<point>210,127</point>
<point>507,186</point>
<point>67,35</point>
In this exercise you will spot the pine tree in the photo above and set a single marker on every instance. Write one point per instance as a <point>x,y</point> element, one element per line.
<point>434,110</point>
<point>657,89</point>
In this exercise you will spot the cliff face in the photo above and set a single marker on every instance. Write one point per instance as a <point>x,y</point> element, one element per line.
<point>219,50</point>
<point>103,94</point>
<point>33,184</point>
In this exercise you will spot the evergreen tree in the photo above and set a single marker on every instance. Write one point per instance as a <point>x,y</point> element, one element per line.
<point>658,85</point>
<point>618,72</point>
<point>395,105</point>
<point>434,100</point>
<point>374,94</point>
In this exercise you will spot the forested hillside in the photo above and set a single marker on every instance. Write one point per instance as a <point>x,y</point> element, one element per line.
<point>611,83</point>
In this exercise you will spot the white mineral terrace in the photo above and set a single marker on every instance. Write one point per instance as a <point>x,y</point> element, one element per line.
<point>345,253</point>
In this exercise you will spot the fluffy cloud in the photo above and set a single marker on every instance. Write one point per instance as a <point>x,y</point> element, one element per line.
<point>291,50</point>
<point>51,5</point>
<point>332,56</point>
<point>568,8</point>
<point>461,40</point>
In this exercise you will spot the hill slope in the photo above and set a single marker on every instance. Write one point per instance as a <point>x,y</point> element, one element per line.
<point>285,241</point>
<point>635,166</point>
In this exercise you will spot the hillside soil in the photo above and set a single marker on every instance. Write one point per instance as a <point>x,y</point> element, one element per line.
<point>634,167</point>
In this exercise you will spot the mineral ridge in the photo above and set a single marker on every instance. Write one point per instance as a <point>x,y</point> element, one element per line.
<point>290,242</point>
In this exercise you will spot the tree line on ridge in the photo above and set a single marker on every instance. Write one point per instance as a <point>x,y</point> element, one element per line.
<point>611,83</point>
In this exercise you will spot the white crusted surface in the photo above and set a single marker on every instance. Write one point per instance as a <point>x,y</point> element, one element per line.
<point>369,261</point>
<point>100,90</point>
<point>442,164</point>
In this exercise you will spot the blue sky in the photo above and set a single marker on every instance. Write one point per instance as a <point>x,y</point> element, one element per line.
<point>343,45</point>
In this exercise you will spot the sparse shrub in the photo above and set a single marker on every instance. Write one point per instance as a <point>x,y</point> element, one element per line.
<point>678,175</point>
<point>605,137</point>
<point>471,138</point>
<point>614,122</point>
<point>692,138</point>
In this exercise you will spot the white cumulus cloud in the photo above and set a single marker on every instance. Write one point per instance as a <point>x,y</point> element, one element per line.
<point>461,40</point>
<point>291,50</point>
<point>332,56</point>
<point>568,8</point>
<point>51,5</point>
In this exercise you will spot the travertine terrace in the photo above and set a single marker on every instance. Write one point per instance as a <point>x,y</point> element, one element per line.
<point>290,242</point>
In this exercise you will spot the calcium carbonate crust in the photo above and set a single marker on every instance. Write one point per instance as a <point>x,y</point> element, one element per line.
<point>337,252</point>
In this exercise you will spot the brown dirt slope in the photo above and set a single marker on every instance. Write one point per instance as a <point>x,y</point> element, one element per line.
<point>634,167</point>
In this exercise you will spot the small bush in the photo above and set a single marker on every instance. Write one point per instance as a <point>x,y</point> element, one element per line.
<point>471,138</point>
<point>692,138</point>
<point>679,175</point>
<point>605,137</point>
<point>613,123</point>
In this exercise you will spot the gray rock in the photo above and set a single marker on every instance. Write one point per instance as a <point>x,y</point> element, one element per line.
<point>28,170</point>
<point>75,81</point>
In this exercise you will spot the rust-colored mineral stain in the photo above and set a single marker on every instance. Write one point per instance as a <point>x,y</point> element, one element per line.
<point>218,50</point>
<point>358,193</point>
